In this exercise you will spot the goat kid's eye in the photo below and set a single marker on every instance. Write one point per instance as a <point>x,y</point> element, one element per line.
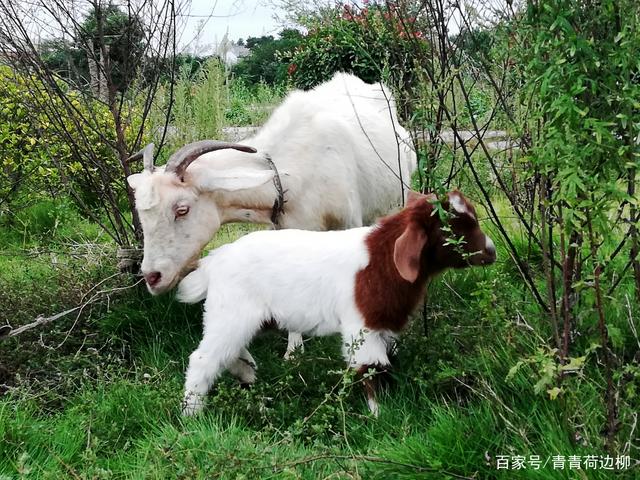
<point>181,211</point>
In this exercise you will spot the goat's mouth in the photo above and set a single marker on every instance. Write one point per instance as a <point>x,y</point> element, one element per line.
<point>486,259</point>
<point>163,286</point>
<point>157,290</point>
<point>480,259</point>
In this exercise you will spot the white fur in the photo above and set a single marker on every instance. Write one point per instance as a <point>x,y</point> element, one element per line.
<point>340,152</point>
<point>303,280</point>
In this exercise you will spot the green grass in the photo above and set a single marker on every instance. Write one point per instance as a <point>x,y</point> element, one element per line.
<point>99,396</point>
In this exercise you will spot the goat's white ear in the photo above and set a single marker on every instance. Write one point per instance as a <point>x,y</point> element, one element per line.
<point>231,179</point>
<point>134,180</point>
<point>146,192</point>
<point>407,252</point>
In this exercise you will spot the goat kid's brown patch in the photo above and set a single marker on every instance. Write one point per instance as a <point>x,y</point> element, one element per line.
<point>374,382</point>
<point>383,296</point>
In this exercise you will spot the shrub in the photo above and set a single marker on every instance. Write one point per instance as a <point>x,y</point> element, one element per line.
<point>38,162</point>
<point>362,41</point>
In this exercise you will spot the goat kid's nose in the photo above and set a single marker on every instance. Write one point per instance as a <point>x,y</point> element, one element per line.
<point>152,278</point>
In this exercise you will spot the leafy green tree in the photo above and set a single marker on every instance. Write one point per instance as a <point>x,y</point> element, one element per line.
<point>265,62</point>
<point>582,97</point>
<point>66,60</point>
<point>121,33</point>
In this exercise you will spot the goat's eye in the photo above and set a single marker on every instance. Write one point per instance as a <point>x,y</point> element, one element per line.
<point>181,211</point>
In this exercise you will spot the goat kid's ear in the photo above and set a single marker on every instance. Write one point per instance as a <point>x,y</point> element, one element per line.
<point>407,250</point>
<point>415,197</point>
<point>134,180</point>
<point>231,179</point>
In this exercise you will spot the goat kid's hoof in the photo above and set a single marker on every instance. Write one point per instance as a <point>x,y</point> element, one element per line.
<point>244,370</point>
<point>374,408</point>
<point>248,372</point>
<point>192,405</point>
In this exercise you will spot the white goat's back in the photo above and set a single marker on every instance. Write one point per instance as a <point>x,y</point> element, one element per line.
<point>343,139</point>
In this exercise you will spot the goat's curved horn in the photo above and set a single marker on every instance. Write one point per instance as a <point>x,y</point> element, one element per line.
<point>180,160</point>
<point>146,154</point>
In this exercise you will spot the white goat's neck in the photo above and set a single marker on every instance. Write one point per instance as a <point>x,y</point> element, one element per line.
<point>246,216</point>
<point>253,205</point>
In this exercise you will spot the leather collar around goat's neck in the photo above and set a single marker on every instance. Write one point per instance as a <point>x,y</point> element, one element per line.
<point>278,204</point>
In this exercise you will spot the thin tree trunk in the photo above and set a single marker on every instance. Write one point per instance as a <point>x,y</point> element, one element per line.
<point>569,253</point>
<point>547,260</point>
<point>612,413</point>
<point>94,76</point>
<point>633,232</point>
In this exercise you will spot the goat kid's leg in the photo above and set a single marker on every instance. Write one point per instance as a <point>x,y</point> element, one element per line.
<point>370,376</point>
<point>365,349</point>
<point>223,345</point>
<point>294,344</point>
<point>244,368</point>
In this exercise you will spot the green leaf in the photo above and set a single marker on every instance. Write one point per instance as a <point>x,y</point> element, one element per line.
<point>574,365</point>
<point>513,370</point>
<point>554,392</point>
<point>615,334</point>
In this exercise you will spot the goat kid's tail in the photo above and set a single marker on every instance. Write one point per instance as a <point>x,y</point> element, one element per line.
<point>193,288</point>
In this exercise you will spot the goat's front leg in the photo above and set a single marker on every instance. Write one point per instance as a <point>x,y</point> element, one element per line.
<point>294,343</point>
<point>222,347</point>
<point>364,349</point>
<point>370,377</point>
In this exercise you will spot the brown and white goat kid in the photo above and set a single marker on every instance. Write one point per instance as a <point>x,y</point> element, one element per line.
<point>362,283</point>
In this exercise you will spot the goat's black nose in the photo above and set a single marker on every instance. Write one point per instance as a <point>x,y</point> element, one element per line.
<point>152,278</point>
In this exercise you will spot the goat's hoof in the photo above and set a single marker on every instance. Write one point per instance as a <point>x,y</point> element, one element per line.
<point>291,353</point>
<point>248,378</point>
<point>192,404</point>
<point>295,345</point>
<point>374,408</point>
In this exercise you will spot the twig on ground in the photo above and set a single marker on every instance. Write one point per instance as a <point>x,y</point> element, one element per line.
<point>7,332</point>
<point>95,297</point>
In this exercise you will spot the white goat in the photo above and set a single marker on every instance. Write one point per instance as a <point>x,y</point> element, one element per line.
<point>342,159</point>
<point>362,283</point>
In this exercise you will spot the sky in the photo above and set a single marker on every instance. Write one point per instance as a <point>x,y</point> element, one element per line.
<point>241,18</point>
